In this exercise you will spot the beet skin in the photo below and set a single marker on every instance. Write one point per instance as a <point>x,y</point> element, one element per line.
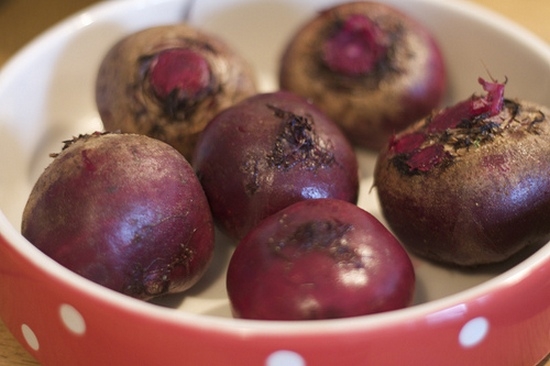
<point>125,211</point>
<point>168,81</point>
<point>370,67</point>
<point>469,184</point>
<point>267,152</point>
<point>319,259</point>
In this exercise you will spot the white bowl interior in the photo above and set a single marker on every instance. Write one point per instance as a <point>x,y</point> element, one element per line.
<point>46,96</point>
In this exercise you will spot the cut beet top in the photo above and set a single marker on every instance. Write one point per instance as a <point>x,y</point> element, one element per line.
<point>466,184</point>
<point>181,74</point>
<point>356,48</point>
<point>462,125</point>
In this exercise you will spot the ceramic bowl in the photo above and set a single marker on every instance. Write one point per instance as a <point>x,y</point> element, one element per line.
<point>498,315</point>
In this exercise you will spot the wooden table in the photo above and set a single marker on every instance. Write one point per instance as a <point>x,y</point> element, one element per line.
<point>20,21</point>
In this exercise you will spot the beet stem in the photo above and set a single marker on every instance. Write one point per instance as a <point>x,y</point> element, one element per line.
<point>478,106</point>
<point>409,149</point>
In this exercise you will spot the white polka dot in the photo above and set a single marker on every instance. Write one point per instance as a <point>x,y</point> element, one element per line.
<point>30,337</point>
<point>473,332</point>
<point>72,319</point>
<point>285,358</point>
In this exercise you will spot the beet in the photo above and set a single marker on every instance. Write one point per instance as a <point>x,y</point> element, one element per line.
<point>125,211</point>
<point>267,152</point>
<point>168,81</point>
<point>319,259</point>
<point>368,66</point>
<point>466,185</point>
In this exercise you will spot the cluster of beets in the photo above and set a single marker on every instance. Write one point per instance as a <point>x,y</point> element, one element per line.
<point>277,172</point>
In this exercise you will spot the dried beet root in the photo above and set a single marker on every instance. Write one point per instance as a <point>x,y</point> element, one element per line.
<point>466,185</point>
<point>125,211</point>
<point>369,67</point>
<point>167,82</point>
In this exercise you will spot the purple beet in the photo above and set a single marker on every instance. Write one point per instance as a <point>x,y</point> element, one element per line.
<point>267,152</point>
<point>319,259</point>
<point>466,185</point>
<point>168,81</point>
<point>368,66</point>
<point>125,211</point>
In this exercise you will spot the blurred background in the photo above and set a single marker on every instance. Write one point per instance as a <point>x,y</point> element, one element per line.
<point>23,20</point>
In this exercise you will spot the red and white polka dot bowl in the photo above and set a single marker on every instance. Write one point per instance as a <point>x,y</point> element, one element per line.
<point>495,316</point>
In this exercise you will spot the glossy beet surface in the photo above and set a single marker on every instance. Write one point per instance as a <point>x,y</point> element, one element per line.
<point>467,185</point>
<point>125,211</point>
<point>370,67</point>
<point>270,151</point>
<point>168,81</point>
<point>319,259</point>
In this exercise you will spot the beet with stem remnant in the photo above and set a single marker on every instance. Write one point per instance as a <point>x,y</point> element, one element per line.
<point>369,67</point>
<point>467,185</point>
<point>168,81</point>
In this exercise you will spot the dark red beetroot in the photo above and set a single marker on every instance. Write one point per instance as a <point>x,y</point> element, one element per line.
<point>268,152</point>
<point>125,211</point>
<point>467,185</point>
<point>370,67</point>
<point>168,81</point>
<point>319,259</point>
